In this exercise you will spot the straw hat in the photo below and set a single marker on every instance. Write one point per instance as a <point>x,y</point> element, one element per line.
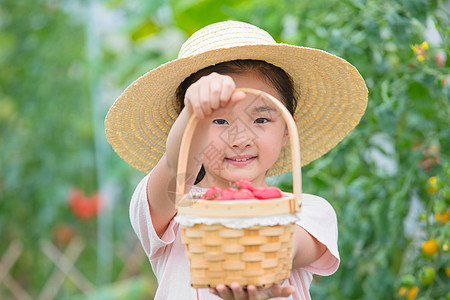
<point>332,95</point>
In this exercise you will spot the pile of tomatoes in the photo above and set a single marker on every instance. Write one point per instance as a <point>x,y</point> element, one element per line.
<point>242,190</point>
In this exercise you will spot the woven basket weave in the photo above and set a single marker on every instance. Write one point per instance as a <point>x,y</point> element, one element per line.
<point>257,255</point>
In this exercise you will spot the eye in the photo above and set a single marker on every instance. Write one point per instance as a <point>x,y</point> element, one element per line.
<point>220,121</point>
<point>261,120</point>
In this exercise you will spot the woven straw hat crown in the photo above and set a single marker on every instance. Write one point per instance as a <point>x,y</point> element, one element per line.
<point>331,94</point>
<point>215,37</point>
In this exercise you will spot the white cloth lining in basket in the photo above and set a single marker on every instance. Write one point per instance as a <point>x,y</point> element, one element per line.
<point>238,223</point>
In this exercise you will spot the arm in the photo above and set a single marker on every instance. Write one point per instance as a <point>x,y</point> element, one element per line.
<point>161,184</point>
<point>306,248</point>
<point>318,224</point>
<point>209,93</point>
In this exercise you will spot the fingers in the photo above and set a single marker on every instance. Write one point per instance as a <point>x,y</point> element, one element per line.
<point>253,292</point>
<point>204,95</point>
<point>277,290</point>
<point>233,292</point>
<point>286,291</point>
<point>215,92</point>
<point>210,93</point>
<point>235,98</point>
<point>224,292</point>
<point>238,96</point>
<point>228,86</point>
<point>236,292</point>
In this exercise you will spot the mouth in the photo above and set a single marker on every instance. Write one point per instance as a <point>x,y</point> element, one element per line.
<point>241,160</point>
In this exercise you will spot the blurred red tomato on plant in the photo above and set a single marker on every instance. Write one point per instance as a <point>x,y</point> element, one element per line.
<point>431,156</point>
<point>82,206</point>
<point>440,58</point>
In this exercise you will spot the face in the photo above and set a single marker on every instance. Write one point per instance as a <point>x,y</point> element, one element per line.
<point>246,141</point>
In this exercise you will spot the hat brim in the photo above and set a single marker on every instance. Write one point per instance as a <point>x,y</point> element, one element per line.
<point>332,98</point>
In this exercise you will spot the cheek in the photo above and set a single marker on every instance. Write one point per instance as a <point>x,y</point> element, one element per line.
<point>274,135</point>
<point>215,137</point>
<point>214,149</point>
<point>271,141</point>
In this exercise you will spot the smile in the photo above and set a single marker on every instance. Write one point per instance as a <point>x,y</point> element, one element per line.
<point>240,161</point>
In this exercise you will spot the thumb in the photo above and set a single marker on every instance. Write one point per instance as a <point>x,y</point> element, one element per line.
<point>277,290</point>
<point>235,98</point>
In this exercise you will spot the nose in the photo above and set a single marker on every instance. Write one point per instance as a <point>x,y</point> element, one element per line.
<point>239,136</point>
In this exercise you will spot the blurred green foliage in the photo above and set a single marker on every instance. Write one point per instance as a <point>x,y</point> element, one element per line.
<point>377,179</point>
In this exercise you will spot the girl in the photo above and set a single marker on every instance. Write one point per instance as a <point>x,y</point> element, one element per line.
<point>237,138</point>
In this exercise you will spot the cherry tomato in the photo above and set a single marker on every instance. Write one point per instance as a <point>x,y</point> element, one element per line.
<point>269,192</point>
<point>228,194</point>
<point>243,194</point>
<point>244,184</point>
<point>212,193</point>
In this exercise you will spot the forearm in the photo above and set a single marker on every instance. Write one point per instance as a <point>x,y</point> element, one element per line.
<point>173,142</point>
<point>198,144</point>
<point>208,94</point>
<point>161,186</point>
<point>306,248</point>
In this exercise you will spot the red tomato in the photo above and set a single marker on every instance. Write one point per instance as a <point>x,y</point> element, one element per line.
<point>243,194</point>
<point>269,192</point>
<point>244,184</point>
<point>212,193</point>
<point>228,194</point>
<point>83,207</point>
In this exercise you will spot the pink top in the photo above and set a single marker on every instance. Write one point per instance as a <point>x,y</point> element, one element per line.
<point>171,267</point>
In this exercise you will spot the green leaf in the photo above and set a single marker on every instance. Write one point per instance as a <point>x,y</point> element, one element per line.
<point>417,91</point>
<point>399,25</point>
<point>417,9</point>
<point>145,29</point>
<point>192,15</point>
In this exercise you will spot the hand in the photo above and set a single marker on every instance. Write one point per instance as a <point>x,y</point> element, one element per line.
<point>210,93</point>
<point>236,292</point>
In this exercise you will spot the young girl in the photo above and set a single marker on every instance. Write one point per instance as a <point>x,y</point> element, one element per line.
<point>237,138</point>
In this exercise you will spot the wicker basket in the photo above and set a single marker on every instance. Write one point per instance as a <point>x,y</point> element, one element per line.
<point>257,254</point>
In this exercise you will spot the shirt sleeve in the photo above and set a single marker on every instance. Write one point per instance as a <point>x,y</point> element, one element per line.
<point>318,218</point>
<point>142,224</point>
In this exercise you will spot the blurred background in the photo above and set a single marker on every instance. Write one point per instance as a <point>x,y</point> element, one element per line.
<point>64,194</point>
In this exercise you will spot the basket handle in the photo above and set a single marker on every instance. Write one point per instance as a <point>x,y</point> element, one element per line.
<point>293,138</point>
